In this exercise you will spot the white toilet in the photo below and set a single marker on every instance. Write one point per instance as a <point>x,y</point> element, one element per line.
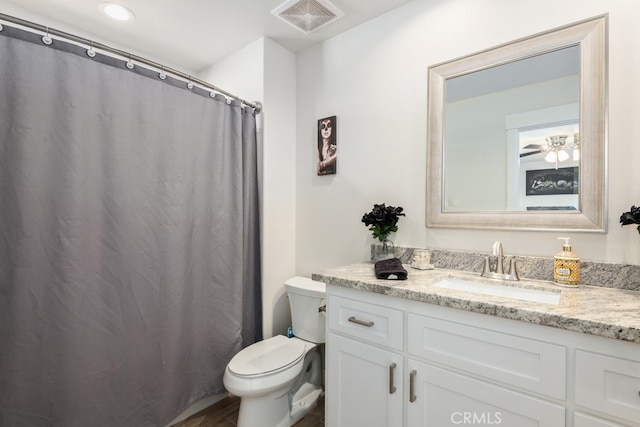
<point>279,379</point>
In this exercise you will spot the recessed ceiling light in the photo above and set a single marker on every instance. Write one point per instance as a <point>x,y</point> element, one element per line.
<point>116,11</point>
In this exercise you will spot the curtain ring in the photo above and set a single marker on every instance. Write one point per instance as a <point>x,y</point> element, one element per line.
<point>46,39</point>
<point>212,94</point>
<point>190,85</point>
<point>90,52</point>
<point>129,64</point>
<point>162,75</point>
<point>1,27</point>
<point>229,101</point>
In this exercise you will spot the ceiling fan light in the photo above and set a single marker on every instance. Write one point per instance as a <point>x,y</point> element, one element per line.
<point>116,11</point>
<point>563,155</point>
<point>550,157</point>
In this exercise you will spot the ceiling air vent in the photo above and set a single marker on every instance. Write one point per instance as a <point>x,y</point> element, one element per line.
<point>307,15</point>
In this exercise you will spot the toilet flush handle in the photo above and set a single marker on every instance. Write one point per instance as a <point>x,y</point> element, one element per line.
<point>322,309</point>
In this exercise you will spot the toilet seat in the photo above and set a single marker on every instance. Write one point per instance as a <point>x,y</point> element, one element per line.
<point>267,357</point>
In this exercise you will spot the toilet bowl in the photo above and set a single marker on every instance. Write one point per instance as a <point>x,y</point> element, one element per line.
<point>279,379</point>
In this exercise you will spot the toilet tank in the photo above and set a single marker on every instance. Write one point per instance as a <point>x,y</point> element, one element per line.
<point>306,296</point>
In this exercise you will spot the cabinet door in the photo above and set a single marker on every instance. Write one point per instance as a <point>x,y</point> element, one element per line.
<point>444,398</point>
<point>360,387</point>
<point>608,384</point>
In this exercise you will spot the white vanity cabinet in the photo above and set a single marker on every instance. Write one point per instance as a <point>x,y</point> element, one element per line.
<point>394,362</point>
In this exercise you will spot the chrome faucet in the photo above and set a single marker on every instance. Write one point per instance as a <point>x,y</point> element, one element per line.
<point>496,251</point>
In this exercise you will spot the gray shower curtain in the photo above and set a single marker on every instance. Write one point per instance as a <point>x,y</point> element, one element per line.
<point>129,238</point>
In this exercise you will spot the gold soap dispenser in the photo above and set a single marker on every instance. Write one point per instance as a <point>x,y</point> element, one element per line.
<point>566,266</point>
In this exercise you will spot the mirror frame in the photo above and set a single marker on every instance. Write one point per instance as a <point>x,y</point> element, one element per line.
<point>591,36</point>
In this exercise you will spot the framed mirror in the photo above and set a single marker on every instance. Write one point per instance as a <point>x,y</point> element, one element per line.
<point>517,134</point>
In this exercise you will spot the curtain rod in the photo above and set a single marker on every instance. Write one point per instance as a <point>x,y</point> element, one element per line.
<point>123,54</point>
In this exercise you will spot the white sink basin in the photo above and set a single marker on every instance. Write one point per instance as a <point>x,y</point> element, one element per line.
<point>533,295</point>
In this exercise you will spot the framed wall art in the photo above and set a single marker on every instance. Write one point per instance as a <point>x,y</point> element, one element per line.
<point>327,146</point>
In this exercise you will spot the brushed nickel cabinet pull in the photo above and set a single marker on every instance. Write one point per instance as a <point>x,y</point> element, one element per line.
<point>392,388</point>
<point>412,385</point>
<point>352,319</point>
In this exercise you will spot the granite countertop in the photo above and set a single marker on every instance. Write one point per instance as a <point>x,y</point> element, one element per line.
<point>607,312</point>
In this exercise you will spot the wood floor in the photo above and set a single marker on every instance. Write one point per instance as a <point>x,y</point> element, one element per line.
<point>225,414</point>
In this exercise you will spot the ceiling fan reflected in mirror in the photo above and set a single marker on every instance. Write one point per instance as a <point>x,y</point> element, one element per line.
<point>555,147</point>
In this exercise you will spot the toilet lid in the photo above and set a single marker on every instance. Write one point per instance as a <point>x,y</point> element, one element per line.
<point>267,356</point>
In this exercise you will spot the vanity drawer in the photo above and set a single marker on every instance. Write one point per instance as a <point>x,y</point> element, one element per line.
<point>585,420</point>
<point>608,384</point>
<point>514,360</point>
<point>370,322</point>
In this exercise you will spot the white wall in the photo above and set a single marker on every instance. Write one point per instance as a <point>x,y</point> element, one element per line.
<point>374,78</point>
<point>279,178</point>
<point>265,72</point>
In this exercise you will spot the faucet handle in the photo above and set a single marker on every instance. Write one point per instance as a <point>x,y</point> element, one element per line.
<point>487,265</point>
<point>496,248</point>
<point>513,270</point>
